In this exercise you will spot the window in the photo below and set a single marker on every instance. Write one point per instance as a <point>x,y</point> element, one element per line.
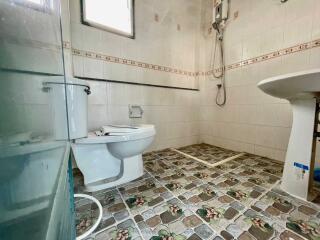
<point>112,15</point>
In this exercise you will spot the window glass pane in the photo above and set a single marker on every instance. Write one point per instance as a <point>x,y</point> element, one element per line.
<point>113,14</point>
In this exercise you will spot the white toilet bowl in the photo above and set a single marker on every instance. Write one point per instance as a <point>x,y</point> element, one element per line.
<point>107,161</point>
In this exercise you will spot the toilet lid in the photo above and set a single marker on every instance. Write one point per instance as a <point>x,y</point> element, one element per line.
<point>138,132</point>
<point>115,130</point>
<point>119,130</point>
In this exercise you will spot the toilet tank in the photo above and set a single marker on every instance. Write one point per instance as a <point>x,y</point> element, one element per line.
<point>77,104</point>
<point>77,99</point>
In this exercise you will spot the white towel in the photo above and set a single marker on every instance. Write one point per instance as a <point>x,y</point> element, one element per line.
<point>116,130</point>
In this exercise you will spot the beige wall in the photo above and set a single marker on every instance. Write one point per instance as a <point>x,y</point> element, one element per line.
<point>166,35</point>
<point>174,112</point>
<point>251,120</point>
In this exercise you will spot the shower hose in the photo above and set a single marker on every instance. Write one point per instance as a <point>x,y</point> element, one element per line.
<point>221,87</point>
<point>87,233</point>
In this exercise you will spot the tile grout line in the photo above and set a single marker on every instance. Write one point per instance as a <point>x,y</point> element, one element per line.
<point>245,206</point>
<point>224,173</point>
<point>219,163</point>
<point>176,197</point>
<point>205,162</point>
<point>240,212</point>
<point>204,182</point>
<point>128,210</point>
<point>262,195</point>
<point>130,214</point>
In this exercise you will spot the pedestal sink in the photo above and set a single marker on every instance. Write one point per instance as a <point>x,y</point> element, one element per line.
<point>302,90</point>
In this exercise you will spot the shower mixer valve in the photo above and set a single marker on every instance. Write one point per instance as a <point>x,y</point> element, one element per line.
<point>220,14</point>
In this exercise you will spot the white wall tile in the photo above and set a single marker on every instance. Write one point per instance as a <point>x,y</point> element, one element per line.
<point>98,92</point>
<point>298,31</point>
<point>251,121</point>
<point>155,42</point>
<point>97,116</point>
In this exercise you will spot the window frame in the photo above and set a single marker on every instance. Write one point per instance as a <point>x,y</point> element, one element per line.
<point>106,28</point>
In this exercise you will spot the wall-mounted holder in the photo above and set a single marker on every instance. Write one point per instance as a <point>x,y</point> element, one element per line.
<point>135,111</point>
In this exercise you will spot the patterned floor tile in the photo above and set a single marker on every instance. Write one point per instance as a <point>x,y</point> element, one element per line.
<point>156,167</point>
<point>151,156</point>
<point>179,181</point>
<point>144,195</point>
<point>261,164</point>
<point>214,207</point>
<point>85,215</point>
<point>199,196</point>
<point>114,209</point>
<point>126,230</point>
<point>166,153</point>
<point>172,219</point>
<point>228,166</point>
<point>186,164</point>
<point>253,175</point>
<point>252,225</point>
<point>208,153</point>
<point>297,215</point>
<point>179,198</point>
<point>206,174</point>
<point>238,188</point>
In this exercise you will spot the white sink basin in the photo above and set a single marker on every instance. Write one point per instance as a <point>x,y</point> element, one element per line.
<point>302,89</point>
<point>303,84</point>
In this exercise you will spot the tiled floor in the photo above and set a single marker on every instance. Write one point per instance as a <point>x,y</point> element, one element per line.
<point>211,155</point>
<point>179,198</point>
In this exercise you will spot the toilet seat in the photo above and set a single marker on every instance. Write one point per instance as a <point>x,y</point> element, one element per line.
<point>139,132</point>
<point>111,160</point>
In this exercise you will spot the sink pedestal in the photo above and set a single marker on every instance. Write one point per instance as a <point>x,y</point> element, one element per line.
<point>301,89</point>
<point>297,177</point>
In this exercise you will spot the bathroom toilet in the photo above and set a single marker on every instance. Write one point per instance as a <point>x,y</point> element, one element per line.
<point>106,159</point>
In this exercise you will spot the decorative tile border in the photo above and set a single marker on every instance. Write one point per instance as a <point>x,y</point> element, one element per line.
<point>130,62</point>
<point>112,59</point>
<point>275,54</point>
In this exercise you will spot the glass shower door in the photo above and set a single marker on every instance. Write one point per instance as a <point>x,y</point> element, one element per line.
<point>35,193</point>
